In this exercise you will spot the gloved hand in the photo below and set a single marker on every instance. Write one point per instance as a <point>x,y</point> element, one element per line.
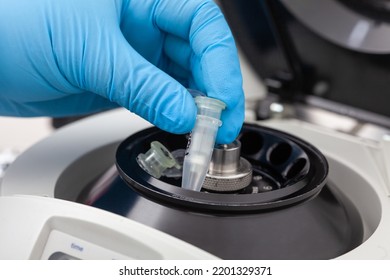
<point>71,57</point>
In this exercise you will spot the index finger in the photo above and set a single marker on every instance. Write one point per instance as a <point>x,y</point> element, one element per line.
<point>202,23</point>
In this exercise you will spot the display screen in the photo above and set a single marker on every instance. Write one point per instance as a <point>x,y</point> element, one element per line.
<point>61,256</point>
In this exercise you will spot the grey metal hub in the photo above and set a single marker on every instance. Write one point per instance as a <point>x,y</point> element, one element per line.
<point>228,171</point>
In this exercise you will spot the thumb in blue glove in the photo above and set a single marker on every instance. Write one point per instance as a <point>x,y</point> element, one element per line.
<point>80,56</point>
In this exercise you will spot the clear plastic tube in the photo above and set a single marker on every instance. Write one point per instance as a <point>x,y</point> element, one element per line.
<point>157,160</point>
<point>201,143</point>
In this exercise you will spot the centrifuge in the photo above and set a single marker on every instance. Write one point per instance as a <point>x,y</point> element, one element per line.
<point>307,178</point>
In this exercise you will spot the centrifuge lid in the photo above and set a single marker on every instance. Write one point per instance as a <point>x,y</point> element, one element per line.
<point>322,53</point>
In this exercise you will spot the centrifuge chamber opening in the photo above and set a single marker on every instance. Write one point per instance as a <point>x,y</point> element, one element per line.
<point>291,210</point>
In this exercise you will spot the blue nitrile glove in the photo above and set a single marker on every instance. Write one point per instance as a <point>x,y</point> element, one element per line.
<point>71,57</point>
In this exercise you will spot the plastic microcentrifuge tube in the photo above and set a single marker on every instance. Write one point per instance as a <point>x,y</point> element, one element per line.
<point>157,160</point>
<point>201,143</point>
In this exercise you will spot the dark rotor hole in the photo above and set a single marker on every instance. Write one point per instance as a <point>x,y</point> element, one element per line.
<point>251,143</point>
<point>280,153</point>
<point>296,168</point>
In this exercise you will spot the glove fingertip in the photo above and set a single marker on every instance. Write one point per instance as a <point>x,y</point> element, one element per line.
<point>227,136</point>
